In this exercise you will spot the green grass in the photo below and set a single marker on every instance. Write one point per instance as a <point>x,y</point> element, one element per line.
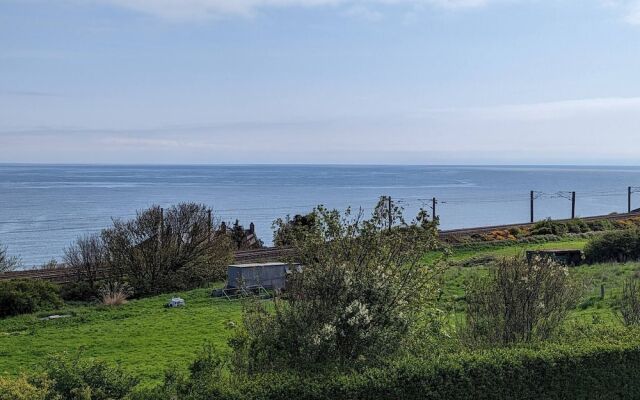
<point>143,336</point>
<point>146,338</point>
<point>591,305</point>
<point>464,253</point>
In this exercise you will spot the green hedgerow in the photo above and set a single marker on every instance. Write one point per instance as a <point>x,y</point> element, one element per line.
<point>25,296</point>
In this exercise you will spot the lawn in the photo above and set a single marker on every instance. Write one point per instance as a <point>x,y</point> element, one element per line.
<point>146,338</point>
<point>143,336</point>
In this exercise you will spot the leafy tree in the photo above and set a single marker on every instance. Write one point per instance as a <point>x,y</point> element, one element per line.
<point>288,229</point>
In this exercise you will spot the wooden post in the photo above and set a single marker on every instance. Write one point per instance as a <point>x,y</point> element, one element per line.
<point>532,197</point>
<point>573,205</point>
<point>601,291</point>
<point>629,199</point>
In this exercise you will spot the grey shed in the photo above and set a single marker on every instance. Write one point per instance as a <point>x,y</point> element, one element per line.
<point>271,276</point>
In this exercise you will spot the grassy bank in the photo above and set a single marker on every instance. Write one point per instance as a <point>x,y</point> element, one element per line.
<point>146,338</point>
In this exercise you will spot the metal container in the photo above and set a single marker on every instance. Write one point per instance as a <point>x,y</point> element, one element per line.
<point>271,276</point>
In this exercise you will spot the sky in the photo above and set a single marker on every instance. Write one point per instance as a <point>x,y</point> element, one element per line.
<point>320,81</point>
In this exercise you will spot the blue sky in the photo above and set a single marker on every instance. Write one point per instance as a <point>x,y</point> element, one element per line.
<point>320,81</point>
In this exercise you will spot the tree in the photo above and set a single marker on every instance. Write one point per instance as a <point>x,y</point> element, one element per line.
<point>7,262</point>
<point>89,257</point>
<point>163,250</point>
<point>286,230</point>
<point>355,299</point>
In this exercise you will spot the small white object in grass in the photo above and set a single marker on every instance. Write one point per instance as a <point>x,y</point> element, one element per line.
<point>54,317</point>
<point>176,302</point>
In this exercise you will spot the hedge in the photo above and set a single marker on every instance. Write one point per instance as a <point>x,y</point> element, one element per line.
<point>620,246</point>
<point>588,370</point>
<point>25,296</point>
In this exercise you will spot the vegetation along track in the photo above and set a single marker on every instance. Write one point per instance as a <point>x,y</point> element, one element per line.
<point>65,275</point>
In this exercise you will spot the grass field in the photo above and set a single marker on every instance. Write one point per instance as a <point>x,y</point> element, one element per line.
<point>146,338</point>
<point>143,336</point>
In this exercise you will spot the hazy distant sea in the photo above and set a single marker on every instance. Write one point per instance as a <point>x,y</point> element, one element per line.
<point>44,207</point>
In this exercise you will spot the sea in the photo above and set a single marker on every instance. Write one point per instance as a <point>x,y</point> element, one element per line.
<point>44,208</point>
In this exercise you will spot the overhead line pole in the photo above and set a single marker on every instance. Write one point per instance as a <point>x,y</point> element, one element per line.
<point>531,206</point>
<point>434,201</point>
<point>573,205</point>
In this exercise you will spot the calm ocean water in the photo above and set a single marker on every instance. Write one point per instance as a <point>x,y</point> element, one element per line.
<point>43,208</point>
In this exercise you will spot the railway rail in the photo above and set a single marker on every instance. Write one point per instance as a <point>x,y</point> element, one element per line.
<point>64,275</point>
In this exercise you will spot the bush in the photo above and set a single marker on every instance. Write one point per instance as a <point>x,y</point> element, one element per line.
<point>604,367</point>
<point>519,301</point>
<point>601,225</point>
<point>577,226</point>
<point>549,227</point>
<point>363,284</point>
<point>79,291</point>
<point>25,296</point>
<point>617,246</point>
<point>209,378</point>
<point>630,301</point>
<point>24,388</point>
<point>78,378</point>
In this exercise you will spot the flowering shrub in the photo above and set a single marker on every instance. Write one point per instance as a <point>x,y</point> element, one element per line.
<point>519,301</point>
<point>363,281</point>
<point>22,388</point>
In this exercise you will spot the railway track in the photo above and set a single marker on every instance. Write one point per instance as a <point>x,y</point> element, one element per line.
<point>65,275</point>
<point>454,233</point>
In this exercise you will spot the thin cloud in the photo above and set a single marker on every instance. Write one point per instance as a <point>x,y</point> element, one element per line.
<point>549,111</point>
<point>206,9</point>
<point>630,9</point>
<point>27,93</point>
